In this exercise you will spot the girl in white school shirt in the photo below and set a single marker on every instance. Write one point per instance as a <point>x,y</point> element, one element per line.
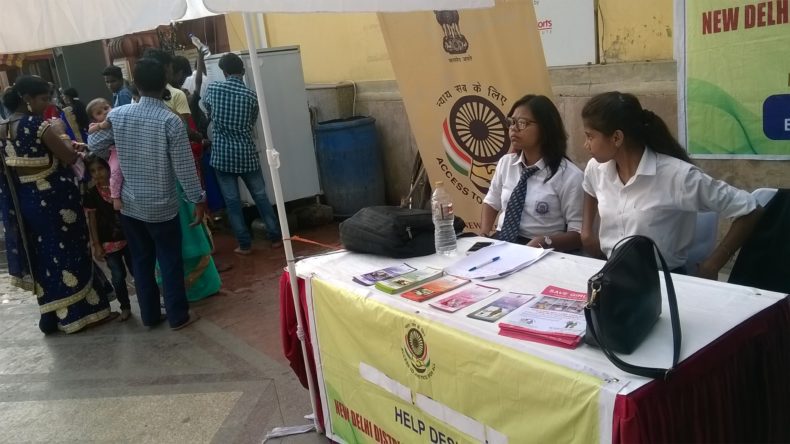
<point>641,181</point>
<point>552,212</point>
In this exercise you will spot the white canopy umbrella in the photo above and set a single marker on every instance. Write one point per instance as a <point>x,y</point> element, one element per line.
<point>47,24</point>
<point>61,23</point>
<point>195,9</point>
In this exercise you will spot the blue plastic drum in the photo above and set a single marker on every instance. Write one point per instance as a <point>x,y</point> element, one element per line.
<point>350,164</point>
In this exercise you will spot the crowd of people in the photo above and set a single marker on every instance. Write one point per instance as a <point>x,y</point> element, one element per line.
<point>640,180</point>
<point>123,182</point>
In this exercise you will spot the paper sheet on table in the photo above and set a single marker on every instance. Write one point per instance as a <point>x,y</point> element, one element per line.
<point>512,257</point>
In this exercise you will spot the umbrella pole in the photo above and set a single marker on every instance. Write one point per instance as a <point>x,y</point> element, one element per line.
<point>273,158</point>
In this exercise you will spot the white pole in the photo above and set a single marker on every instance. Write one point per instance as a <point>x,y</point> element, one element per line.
<point>273,158</point>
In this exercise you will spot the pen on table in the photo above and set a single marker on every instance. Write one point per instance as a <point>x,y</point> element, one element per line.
<point>484,264</point>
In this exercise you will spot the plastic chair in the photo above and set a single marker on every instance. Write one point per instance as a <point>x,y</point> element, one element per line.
<point>704,240</point>
<point>764,195</point>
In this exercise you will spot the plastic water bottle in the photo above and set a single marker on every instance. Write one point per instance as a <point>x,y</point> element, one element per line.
<point>199,45</point>
<point>443,217</point>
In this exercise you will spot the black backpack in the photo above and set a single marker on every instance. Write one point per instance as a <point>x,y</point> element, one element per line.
<point>391,231</point>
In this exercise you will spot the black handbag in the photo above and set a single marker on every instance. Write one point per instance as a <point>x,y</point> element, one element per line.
<point>391,231</point>
<point>624,303</point>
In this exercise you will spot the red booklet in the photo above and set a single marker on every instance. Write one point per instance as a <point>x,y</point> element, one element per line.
<point>556,340</point>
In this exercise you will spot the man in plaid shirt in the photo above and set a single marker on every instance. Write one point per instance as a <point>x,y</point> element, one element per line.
<point>153,150</point>
<point>233,109</point>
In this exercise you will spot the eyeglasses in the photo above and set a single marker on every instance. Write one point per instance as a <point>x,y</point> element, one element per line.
<point>521,123</point>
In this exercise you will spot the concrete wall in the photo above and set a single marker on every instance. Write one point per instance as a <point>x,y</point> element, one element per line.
<point>335,47</point>
<point>342,47</point>
<point>630,31</point>
<point>653,82</point>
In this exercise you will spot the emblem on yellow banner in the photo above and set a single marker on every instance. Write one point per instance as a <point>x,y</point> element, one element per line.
<point>459,73</point>
<point>415,352</point>
<point>474,135</point>
<point>454,42</point>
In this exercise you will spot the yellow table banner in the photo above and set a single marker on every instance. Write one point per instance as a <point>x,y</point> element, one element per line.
<point>390,376</point>
<point>459,73</point>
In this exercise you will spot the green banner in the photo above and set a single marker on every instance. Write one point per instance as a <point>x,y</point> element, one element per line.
<point>736,74</point>
<point>389,376</point>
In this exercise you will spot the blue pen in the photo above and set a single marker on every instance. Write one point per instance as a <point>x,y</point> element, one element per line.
<point>484,264</point>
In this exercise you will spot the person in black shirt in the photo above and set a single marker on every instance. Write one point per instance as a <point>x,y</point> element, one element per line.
<point>107,239</point>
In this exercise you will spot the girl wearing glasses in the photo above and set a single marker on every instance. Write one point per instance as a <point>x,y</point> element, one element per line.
<point>641,181</point>
<point>548,213</point>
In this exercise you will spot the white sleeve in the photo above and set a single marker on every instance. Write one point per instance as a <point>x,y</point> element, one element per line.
<point>590,176</point>
<point>494,195</point>
<point>704,193</point>
<point>572,197</point>
<point>189,84</point>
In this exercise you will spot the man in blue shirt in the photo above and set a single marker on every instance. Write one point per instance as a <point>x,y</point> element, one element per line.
<point>113,78</point>
<point>154,153</point>
<point>233,109</point>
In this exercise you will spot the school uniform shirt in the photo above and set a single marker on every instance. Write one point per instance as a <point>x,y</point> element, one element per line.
<point>661,201</point>
<point>550,206</point>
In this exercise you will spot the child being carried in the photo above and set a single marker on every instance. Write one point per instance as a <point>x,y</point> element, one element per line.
<point>97,110</point>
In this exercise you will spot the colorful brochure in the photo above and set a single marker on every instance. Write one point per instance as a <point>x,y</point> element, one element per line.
<point>464,298</point>
<point>555,318</point>
<point>380,275</point>
<point>501,307</point>
<point>409,280</point>
<point>434,288</point>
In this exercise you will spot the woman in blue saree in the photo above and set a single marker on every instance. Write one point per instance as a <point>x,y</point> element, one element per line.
<point>45,229</point>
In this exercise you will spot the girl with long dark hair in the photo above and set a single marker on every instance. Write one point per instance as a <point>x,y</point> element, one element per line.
<point>548,211</point>
<point>641,181</point>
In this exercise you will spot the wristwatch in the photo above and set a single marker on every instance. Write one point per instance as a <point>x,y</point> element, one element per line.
<point>547,242</point>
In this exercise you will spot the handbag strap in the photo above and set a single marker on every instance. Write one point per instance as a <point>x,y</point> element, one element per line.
<point>648,372</point>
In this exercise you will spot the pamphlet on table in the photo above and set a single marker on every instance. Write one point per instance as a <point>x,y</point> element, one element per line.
<point>464,298</point>
<point>409,280</point>
<point>383,274</point>
<point>556,317</point>
<point>496,261</point>
<point>434,288</point>
<point>501,307</point>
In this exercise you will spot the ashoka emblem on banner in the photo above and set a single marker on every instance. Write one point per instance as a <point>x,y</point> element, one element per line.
<point>478,127</point>
<point>415,352</point>
<point>416,343</point>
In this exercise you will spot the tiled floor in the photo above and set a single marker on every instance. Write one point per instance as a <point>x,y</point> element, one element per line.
<point>221,380</point>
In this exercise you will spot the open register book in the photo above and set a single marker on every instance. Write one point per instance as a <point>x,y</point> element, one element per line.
<point>556,317</point>
<point>497,261</point>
